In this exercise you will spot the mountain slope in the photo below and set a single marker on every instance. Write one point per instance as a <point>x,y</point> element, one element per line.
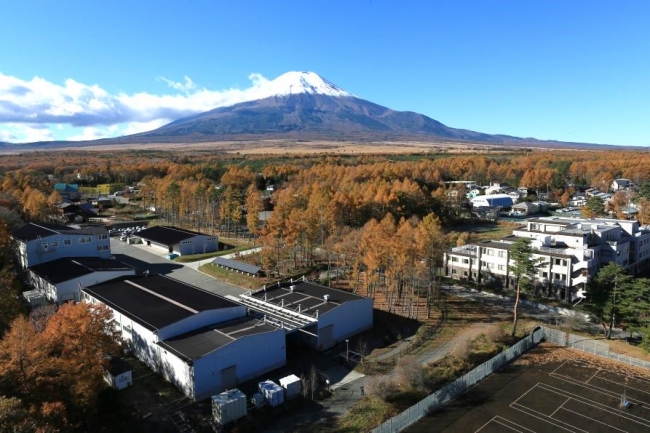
<point>305,105</point>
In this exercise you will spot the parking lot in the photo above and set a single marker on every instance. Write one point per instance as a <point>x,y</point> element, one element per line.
<point>145,258</point>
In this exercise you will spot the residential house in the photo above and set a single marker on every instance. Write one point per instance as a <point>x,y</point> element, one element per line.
<point>67,191</point>
<point>621,184</point>
<point>572,250</point>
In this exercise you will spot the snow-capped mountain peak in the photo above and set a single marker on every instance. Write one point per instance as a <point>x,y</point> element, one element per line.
<point>295,82</point>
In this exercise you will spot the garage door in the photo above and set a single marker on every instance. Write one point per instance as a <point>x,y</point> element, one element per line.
<point>326,337</point>
<point>229,377</point>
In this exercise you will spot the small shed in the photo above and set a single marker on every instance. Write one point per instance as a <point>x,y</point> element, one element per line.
<point>118,374</point>
<point>237,266</point>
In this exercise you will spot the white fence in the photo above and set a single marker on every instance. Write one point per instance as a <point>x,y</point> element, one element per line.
<point>447,393</point>
<point>444,395</point>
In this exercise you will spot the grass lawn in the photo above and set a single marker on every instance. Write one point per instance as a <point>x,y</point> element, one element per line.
<point>197,257</point>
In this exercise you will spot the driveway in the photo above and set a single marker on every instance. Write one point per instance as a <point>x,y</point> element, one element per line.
<point>146,258</point>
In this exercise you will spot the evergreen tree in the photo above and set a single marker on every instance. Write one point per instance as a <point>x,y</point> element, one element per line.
<point>523,268</point>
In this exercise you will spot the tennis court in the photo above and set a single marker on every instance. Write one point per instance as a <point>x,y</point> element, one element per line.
<point>579,394</point>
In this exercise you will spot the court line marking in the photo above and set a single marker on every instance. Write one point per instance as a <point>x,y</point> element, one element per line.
<point>626,386</point>
<point>596,405</point>
<point>606,371</point>
<point>560,407</point>
<point>595,374</point>
<point>495,419</point>
<point>594,420</point>
<point>604,391</point>
<point>513,423</point>
<point>527,411</point>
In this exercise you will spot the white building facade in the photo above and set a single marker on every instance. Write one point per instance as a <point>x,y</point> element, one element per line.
<point>572,251</point>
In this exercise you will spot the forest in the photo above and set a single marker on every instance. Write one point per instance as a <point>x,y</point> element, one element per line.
<point>381,222</point>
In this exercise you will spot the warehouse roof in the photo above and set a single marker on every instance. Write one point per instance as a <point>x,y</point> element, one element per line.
<point>32,231</point>
<point>196,344</point>
<point>156,301</point>
<point>308,295</point>
<point>237,265</point>
<point>68,268</point>
<point>167,235</point>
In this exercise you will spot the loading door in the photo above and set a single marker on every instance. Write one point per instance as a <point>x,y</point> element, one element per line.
<point>326,337</point>
<point>229,377</point>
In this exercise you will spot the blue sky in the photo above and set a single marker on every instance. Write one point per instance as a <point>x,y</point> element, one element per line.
<point>564,70</point>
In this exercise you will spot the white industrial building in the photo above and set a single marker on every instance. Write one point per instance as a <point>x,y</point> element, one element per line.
<point>318,316</point>
<point>60,280</point>
<point>38,243</point>
<point>572,251</point>
<point>200,342</point>
<point>492,200</point>
<point>179,241</point>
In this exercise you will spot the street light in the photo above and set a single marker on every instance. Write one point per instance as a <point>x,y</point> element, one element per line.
<point>347,350</point>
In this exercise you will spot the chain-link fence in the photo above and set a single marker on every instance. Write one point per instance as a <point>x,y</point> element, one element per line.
<point>590,345</point>
<point>447,393</point>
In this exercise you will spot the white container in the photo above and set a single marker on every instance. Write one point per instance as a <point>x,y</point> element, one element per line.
<point>292,386</point>
<point>228,406</point>
<point>272,392</point>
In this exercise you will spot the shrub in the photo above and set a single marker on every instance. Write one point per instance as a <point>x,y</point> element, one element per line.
<point>381,387</point>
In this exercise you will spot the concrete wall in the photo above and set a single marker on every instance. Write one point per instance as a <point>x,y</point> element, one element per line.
<point>197,245</point>
<point>349,319</point>
<point>253,355</point>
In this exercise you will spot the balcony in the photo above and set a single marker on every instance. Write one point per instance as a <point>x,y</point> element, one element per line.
<point>470,250</point>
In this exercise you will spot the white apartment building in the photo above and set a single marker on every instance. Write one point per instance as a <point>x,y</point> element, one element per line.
<point>572,251</point>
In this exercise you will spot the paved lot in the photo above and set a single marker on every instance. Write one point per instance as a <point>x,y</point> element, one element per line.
<point>147,258</point>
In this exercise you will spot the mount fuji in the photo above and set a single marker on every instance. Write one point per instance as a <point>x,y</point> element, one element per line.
<point>303,105</point>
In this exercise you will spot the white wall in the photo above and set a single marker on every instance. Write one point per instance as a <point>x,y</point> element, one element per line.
<point>349,319</point>
<point>69,290</point>
<point>197,245</point>
<point>253,355</point>
<point>34,252</point>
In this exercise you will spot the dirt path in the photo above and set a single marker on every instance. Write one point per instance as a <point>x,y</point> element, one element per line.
<point>462,336</point>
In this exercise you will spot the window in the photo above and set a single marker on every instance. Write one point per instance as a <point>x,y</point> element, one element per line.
<point>454,259</point>
<point>545,274</point>
<point>453,271</point>
<point>502,267</point>
<point>102,237</point>
<point>67,242</point>
<point>465,261</point>
<point>102,247</point>
<point>502,254</point>
<point>85,240</point>
<point>54,244</point>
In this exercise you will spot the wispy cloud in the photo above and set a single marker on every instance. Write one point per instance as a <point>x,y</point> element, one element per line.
<point>31,109</point>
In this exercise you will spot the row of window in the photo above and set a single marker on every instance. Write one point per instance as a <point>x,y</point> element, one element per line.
<point>490,252</point>
<point>68,242</point>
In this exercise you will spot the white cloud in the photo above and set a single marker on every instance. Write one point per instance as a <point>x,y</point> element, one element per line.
<point>25,133</point>
<point>77,105</point>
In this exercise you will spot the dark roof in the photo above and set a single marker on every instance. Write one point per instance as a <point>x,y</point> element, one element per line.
<point>196,344</point>
<point>167,235</point>
<point>66,269</point>
<point>237,265</point>
<point>156,301</point>
<point>32,231</point>
<point>308,295</point>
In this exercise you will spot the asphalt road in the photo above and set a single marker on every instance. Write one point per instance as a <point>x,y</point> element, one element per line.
<point>150,259</point>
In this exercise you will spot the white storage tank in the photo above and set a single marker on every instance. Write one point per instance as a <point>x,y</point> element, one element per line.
<point>272,392</point>
<point>292,386</point>
<point>228,406</point>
